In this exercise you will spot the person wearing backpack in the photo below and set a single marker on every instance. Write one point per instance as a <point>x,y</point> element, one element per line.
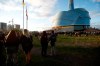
<point>12,47</point>
<point>52,40</point>
<point>26,41</point>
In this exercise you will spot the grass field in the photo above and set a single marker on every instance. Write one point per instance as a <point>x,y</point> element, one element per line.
<point>70,51</point>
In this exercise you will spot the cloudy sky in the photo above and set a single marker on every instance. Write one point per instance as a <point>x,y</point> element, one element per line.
<point>40,12</point>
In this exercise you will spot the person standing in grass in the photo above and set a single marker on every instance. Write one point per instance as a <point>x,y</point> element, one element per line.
<point>52,40</point>
<point>44,43</point>
<point>12,46</point>
<point>2,50</point>
<point>26,41</point>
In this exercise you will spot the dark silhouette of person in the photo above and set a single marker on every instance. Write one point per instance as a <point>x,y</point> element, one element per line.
<point>2,50</point>
<point>52,40</point>
<point>12,45</point>
<point>26,41</point>
<point>44,43</point>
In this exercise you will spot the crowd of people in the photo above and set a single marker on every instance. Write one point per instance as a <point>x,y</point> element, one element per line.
<point>10,42</point>
<point>9,45</point>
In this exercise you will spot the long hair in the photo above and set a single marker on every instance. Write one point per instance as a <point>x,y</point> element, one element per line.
<point>12,36</point>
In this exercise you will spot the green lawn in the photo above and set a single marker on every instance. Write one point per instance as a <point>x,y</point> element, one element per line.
<point>90,41</point>
<point>69,52</point>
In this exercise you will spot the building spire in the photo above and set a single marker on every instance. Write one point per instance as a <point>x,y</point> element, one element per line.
<point>71,5</point>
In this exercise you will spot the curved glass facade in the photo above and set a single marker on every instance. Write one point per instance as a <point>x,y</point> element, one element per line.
<point>77,16</point>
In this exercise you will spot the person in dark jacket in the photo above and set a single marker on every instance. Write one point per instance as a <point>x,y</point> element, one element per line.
<point>52,40</point>
<point>2,50</point>
<point>12,45</point>
<point>26,41</point>
<point>44,43</point>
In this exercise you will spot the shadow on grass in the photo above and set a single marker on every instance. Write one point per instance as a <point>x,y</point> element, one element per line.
<point>67,56</point>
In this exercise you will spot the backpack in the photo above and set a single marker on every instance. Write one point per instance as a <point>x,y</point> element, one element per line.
<point>53,38</point>
<point>26,42</point>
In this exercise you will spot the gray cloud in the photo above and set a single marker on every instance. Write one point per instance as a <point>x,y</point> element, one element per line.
<point>39,8</point>
<point>43,7</point>
<point>10,5</point>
